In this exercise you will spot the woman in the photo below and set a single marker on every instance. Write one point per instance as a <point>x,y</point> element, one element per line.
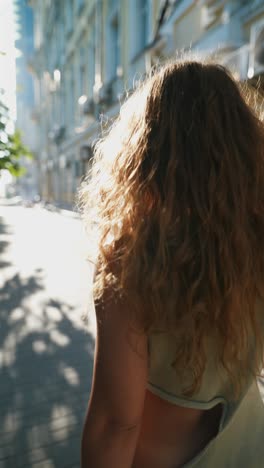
<point>177,203</point>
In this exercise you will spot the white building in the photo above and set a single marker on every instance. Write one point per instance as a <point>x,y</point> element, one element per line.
<point>88,52</point>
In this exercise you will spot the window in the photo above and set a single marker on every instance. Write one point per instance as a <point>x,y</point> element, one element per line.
<point>256,57</point>
<point>91,58</point>
<point>82,73</point>
<point>77,168</point>
<point>143,19</point>
<point>140,16</point>
<point>70,96</point>
<point>79,5</point>
<point>61,39</point>
<point>69,16</point>
<point>113,52</point>
<point>114,41</point>
<point>62,103</point>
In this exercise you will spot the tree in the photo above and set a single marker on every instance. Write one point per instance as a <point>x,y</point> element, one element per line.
<point>12,148</point>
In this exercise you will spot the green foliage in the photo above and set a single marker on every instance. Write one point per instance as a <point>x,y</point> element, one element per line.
<point>12,148</point>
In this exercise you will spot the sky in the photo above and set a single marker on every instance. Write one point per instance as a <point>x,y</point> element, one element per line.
<point>7,55</point>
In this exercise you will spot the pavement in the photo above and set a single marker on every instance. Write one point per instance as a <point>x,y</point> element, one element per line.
<point>66,209</point>
<point>46,347</point>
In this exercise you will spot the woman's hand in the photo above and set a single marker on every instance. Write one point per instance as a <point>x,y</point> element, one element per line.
<point>116,404</point>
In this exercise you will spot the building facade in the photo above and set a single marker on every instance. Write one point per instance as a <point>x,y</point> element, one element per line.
<point>28,184</point>
<point>89,53</point>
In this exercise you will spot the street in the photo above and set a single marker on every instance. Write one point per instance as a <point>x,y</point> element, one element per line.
<point>46,348</point>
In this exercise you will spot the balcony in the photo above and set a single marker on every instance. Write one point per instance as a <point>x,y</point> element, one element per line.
<point>57,133</point>
<point>238,62</point>
<point>110,92</point>
<point>212,12</point>
<point>222,37</point>
<point>256,59</point>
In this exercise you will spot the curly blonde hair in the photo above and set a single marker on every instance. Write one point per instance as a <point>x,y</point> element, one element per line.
<point>175,202</point>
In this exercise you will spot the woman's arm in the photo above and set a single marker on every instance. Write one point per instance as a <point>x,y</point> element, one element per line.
<point>116,404</point>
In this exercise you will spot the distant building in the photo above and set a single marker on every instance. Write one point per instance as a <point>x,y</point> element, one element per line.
<point>28,184</point>
<point>89,52</point>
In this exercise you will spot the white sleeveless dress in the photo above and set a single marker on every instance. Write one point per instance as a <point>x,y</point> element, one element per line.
<point>239,442</point>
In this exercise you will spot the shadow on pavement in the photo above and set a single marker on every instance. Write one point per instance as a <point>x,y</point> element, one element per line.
<point>4,228</point>
<point>45,380</point>
<point>5,232</point>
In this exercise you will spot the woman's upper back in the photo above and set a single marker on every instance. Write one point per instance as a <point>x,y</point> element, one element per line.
<point>216,386</point>
<point>177,204</point>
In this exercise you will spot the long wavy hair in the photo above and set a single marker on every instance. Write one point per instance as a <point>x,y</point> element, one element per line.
<point>175,205</point>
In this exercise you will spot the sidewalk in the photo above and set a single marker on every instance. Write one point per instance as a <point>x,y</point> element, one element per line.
<point>67,209</point>
<point>46,350</point>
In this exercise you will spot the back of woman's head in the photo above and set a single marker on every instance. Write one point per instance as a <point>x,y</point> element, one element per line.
<point>177,194</point>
